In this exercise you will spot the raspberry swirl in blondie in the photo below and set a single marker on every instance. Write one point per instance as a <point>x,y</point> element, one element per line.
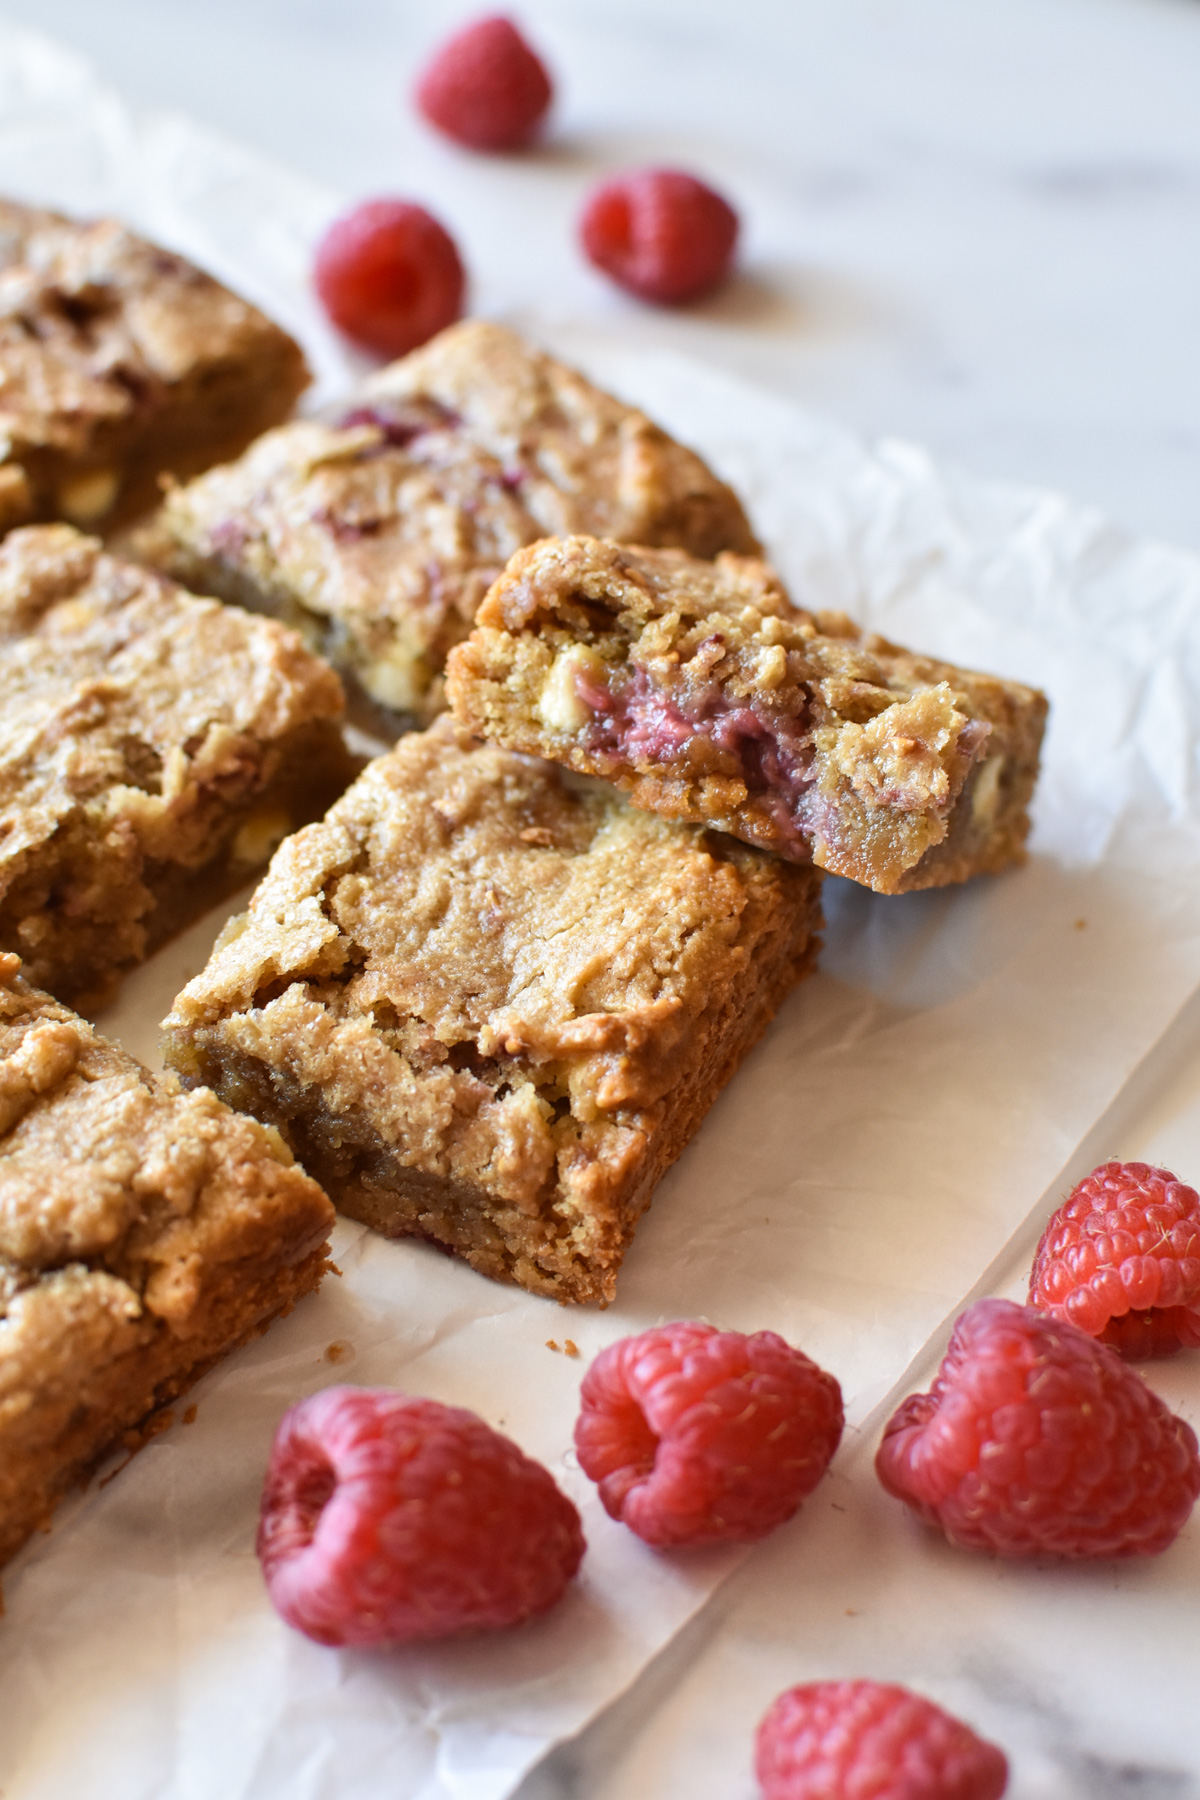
<point>379,531</point>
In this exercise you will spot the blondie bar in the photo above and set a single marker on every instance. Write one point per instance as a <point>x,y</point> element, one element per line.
<point>153,750</point>
<point>704,693</point>
<point>488,1004</point>
<point>382,528</point>
<point>119,360</point>
<point>144,1232</point>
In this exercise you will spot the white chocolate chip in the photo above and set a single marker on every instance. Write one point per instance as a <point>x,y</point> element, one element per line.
<point>175,771</point>
<point>395,681</point>
<point>261,835</point>
<point>772,666</point>
<point>85,499</point>
<point>986,797</point>
<point>16,497</point>
<point>559,706</point>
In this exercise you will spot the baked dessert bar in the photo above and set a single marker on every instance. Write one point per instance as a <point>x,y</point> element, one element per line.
<point>144,1232</point>
<point>118,359</point>
<point>488,1004</point>
<point>382,528</point>
<point>154,748</point>
<point>705,694</point>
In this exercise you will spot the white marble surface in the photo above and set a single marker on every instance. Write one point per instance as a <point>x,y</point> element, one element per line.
<point>971,222</point>
<point>840,1593</point>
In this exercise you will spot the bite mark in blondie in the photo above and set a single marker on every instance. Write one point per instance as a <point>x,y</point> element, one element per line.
<point>488,1004</point>
<point>704,693</point>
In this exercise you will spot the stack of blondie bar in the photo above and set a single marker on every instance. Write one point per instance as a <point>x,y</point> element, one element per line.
<point>487,996</point>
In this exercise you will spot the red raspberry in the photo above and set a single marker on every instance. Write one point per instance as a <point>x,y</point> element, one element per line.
<point>1036,1439</point>
<point>387,1519</point>
<point>486,88</point>
<point>867,1740</point>
<point>662,234</point>
<point>389,276</point>
<point>699,1436</point>
<point>1121,1259</point>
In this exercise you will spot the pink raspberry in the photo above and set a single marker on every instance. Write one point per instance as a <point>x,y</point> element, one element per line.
<point>660,233</point>
<point>389,276</point>
<point>1035,1439</point>
<point>699,1436</point>
<point>387,1519</point>
<point>486,88</point>
<point>868,1740</point>
<point>1121,1259</point>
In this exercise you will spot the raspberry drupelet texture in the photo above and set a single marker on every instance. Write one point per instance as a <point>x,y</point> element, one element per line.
<point>869,1740</point>
<point>1035,1439</point>
<point>660,233</point>
<point>389,276</point>
<point>1121,1259</point>
<point>699,1436</point>
<point>486,88</point>
<point>387,1519</point>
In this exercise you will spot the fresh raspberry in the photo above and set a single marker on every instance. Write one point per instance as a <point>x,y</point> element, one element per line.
<point>389,276</point>
<point>1036,1439</point>
<point>699,1436</point>
<point>387,1519</point>
<point>486,88</point>
<point>660,233</point>
<point>868,1740</point>
<point>1121,1259</point>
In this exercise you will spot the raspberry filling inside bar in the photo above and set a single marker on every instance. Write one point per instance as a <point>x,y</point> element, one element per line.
<point>705,730</point>
<point>402,422</point>
<point>772,755</point>
<point>705,693</point>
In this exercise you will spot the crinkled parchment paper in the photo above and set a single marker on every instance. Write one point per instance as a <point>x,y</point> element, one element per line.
<point>908,1110</point>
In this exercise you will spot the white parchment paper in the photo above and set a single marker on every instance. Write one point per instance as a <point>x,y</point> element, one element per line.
<point>873,1157</point>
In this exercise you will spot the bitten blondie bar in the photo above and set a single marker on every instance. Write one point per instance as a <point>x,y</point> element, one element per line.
<point>382,529</point>
<point>119,360</point>
<point>488,1004</point>
<point>144,1232</point>
<point>705,694</point>
<point>153,750</point>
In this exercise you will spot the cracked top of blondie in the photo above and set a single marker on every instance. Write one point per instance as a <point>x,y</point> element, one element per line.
<point>385,524</point>
<point>700,689</point>
<point>127,697</point>
<point>112,349</point>
<point>494,969</point>
<point>121,1197</point>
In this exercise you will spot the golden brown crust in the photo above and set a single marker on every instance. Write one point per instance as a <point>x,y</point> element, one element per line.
<point>144,1232</point>
<point>704,693</point>
<point>382,530</point>
<point>489,1006</point>
<point>121,360</point>
<point>153,749</point>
